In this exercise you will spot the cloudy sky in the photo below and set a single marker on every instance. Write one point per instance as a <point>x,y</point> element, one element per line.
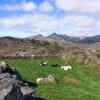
<point>23,18</point>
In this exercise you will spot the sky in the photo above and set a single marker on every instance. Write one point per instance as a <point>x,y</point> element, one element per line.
<point>24,18</point>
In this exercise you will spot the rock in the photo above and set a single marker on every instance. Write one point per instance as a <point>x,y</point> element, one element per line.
<point>26,90</point>
<point>11,87</point>
<point>28,93</point>
<point>49,79</point>
<point>29,97</point>
<point>5,75</point>
<point>12,92</point>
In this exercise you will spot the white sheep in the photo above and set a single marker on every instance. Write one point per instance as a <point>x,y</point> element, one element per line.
<point>39,80</point>
<point>44,64</point>
<point>66,68</point>
<point>49,79</point>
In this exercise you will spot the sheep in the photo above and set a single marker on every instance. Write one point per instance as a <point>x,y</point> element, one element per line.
<point>39,80</point>
<point>44,80</point>
<point>44,64</point>
<point>54,65</point>
<point>62,67</point>
<point>48,79</point>
<point>66,68</point>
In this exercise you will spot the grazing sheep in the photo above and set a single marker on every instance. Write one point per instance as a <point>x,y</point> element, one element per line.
<point>54,65</point>
<point>39,80</point>
<point>62,67</point>
<point>66,68</point>
<point>44,64</point>
<point>49,79</point>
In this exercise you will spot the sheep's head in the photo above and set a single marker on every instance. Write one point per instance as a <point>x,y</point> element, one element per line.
<point>62,66</point>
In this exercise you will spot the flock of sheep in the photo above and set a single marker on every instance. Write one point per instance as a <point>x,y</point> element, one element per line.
<point>66,68</point>
<point>50,78</point>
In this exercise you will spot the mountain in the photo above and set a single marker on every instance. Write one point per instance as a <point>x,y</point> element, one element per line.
<point>91,39</point>
<point>10,41</point>
<point>55,37</point>
<point>40,37</point>
<point>63,37</point>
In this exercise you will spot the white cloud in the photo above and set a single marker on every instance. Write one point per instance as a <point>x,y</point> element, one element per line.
<point>24,6</point>
<point>82,20</point>
<point>81,6</point>
<point>43,23</point>
<point>98,24</point>
<point>46,7</point>
<point>81,31</point>
<point>32,21</point>
<point>14,21</point>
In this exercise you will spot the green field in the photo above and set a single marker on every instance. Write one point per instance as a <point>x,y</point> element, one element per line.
<point>30,70</point>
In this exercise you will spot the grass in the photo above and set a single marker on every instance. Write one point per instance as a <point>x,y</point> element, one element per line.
<point>88,89</point>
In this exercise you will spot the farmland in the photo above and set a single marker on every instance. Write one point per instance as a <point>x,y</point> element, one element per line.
<point>30,70</point>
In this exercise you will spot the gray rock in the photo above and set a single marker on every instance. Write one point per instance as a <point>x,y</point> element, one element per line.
<point>5,75</point>
<point>11,88</point>
<point>26,90</point>
<point>29,97</point>
<point>12,92</point>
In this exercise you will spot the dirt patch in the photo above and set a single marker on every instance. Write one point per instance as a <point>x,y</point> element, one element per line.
<point>71,80</point>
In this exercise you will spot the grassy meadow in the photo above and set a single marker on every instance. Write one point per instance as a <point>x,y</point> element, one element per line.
<point>30,70</point>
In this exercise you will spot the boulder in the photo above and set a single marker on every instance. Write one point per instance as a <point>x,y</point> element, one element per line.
<point>29,97</point>
<point>26,90</point>
<point>12,92</point>
<point>11,87</point>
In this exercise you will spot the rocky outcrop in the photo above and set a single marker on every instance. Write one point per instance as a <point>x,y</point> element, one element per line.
<point>11,87</point>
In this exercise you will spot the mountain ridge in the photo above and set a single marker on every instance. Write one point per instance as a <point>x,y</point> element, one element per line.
<point>54,37</point>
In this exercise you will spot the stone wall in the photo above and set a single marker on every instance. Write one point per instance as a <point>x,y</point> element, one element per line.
<point>11,87</point>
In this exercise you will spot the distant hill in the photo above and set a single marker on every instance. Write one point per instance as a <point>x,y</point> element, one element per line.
<point>10,41</point>
<point>52,44</point>
<point>92,39</point>
<point>55,37</point>
<point>8,38</point>
<point>51,38</point>
<point>62,37</point>
<point>10,46</point>
<point>37,37</point>
<point>40,37</point>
